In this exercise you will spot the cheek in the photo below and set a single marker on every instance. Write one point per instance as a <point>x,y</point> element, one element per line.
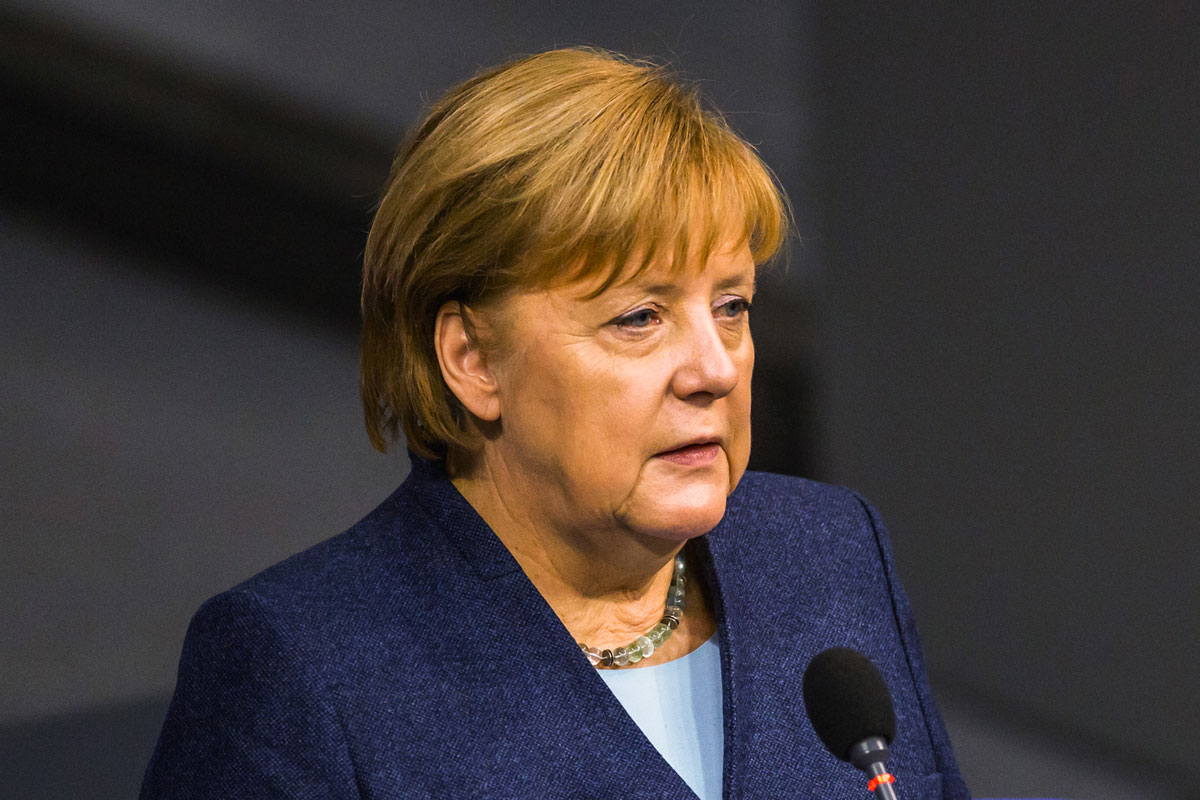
<point>616,407</point>
<point>617,423</point>
<point>582,413</point>
<point>739,422</point>
<point>747,370</point>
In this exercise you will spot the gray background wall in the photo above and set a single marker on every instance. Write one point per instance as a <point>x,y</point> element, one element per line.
<point>988,328</point>
<point>1012,347</point>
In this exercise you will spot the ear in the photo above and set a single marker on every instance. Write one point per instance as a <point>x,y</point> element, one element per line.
<point>463,364</point>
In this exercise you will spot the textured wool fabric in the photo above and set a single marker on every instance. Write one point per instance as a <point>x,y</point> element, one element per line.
<point>410,657</point>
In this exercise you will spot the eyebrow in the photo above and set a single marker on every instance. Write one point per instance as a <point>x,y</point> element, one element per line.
<point>738,280</point>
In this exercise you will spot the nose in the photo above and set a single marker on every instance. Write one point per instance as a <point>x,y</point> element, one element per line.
<point>708,364</point>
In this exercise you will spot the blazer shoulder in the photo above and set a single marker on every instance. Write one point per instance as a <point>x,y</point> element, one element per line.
<point>806,522</point>
<point>770,484</point>
<point>783,500</point>
<point>249,711</point>
<point>386,550</point>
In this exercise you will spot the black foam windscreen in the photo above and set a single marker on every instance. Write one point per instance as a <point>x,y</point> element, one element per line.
<point>847,700</point>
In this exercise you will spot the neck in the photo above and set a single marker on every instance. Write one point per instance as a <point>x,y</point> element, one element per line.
<point>606,584</point>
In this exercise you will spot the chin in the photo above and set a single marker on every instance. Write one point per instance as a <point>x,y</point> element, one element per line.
<point>681,515</point>
<point>679,504</point>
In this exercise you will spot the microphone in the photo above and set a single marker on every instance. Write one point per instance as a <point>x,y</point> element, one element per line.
<point>851,710</point>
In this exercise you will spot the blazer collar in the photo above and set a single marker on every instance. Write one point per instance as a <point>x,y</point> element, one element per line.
<point>450,511</point>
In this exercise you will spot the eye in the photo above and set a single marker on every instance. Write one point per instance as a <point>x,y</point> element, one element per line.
<point>733,308</point>
<point>642,318</point>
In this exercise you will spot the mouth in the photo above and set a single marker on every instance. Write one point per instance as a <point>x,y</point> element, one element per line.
<point>693,454</point>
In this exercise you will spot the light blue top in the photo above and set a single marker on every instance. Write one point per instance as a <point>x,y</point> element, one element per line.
<point>677,704</point>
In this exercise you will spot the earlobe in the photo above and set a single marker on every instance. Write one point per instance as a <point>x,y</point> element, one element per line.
<point>464,365</point>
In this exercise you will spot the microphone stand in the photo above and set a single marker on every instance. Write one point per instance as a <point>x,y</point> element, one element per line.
<point>869,755</point>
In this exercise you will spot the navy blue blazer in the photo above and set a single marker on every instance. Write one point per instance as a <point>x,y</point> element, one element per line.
<point>410,657</point>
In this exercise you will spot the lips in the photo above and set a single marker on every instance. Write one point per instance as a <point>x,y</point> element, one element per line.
<point>695,453</point>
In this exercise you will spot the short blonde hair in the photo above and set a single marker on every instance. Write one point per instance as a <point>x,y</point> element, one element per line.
<point>559,166</point>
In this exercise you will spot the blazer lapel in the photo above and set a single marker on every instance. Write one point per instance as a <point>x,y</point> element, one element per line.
<point>714,557</point>
<point>590,736</point>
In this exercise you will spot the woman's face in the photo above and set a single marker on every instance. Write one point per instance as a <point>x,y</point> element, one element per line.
<point>631,408</point>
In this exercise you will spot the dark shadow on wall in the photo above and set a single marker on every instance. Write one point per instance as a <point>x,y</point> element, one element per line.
<point>96,754</point>
<point>237,188</point>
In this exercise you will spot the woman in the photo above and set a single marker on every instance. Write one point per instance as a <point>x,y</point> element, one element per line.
<point>578,591</point>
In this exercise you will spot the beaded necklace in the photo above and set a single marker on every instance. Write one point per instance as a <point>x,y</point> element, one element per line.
<point>645,645</point>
